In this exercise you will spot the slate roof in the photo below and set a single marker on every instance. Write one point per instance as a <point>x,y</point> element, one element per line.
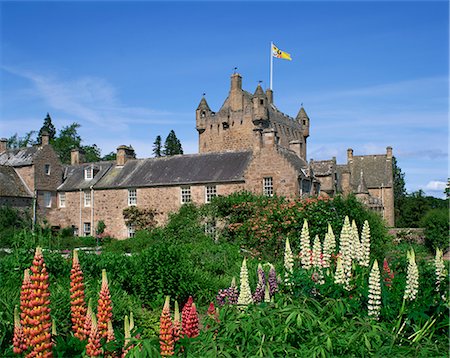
<point>220,167</point>
<point>19,157</point>
<point>376,169</point>
<point>11,185</point>
<point>298,163</point>
<point>74,175</point>
<point>323,167</point>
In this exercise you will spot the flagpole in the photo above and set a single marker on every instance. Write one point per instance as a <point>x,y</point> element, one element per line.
<point>271,64</point>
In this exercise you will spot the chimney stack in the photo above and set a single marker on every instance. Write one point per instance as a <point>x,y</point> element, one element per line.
<point>123,154</point>
<point>76,156</point>
<point>45,138</point>
<point>3,145</point>
<point>270,138</point>
<point>389,152</point>
<point>296,146</point>
<point>269,95</point>
<point>349,155</point>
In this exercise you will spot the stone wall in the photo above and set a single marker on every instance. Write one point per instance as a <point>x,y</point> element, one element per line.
<point>17,203</point>
<point>26,173</point>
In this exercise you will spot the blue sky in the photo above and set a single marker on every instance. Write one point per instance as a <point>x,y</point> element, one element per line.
<point>369,74</point>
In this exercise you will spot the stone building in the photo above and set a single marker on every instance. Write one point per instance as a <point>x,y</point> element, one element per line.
<point>30,177</point>
<point>247,145</point>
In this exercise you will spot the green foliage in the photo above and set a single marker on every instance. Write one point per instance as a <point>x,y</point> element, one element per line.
<point>28,140</point>
<point>157,146</point>
<point>109,156</point>
<point>261,224</point>
<point>436,224</point>
<point>141,219</point>
<point>414,207</point>
<point>12,221</point>
<point>172,145</point>
<point>399,188</point>
<point>47,127</point>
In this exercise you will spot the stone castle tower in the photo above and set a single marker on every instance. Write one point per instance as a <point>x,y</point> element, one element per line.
<point>239,123</point>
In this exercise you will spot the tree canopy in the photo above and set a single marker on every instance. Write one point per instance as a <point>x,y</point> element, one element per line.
<point>157,146</point>
<point>172,145</point>
<point>47,127</point>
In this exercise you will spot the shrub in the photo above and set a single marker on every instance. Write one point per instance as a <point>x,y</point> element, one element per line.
<point>436,224</point>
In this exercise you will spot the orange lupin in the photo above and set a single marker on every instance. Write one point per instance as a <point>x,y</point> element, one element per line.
<point>25,307</point>
<point>104,310</point>
<point>18,338</point>
<point>77,301</point>
<point>88,319</point>
<point>176,323</point>
<point>94,347</point>
<point>39,309</point>
<point>166,340</point>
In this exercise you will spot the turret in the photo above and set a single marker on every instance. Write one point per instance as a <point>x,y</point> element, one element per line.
<point>202,113</point>
<point>260,113</point>
<point>303,119</point>
<point>362,193</point>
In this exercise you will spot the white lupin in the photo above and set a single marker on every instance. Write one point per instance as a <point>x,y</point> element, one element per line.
<point>412,278</point>
<point>329,245</point>
<point>317,253</point>
<point>339,277</point>
<point>374,303</point>
<point>440,268</point>
<point>288,262</point>
<point>245,294</point>
<point>356,253</point>
<point>305,246</point>
<point>365,245</point>
<point>346,250</point>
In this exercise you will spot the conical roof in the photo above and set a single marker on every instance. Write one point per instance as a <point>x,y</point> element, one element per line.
<point>362,187</point>
<point>302,114</point>
<point>203,104</point>
<point>259,92</point>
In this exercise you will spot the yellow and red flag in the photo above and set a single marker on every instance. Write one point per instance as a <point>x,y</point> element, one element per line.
<point>276,52</point>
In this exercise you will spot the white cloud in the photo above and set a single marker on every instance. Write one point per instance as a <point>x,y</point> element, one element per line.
<point>436,185</point>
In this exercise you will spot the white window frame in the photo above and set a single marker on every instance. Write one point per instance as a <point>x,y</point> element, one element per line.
<point>132,197</point>
<point>185,194</point>
<point>62,199</point>
<point>87,199</point>
<point>47,169</point>
<point>85,226</point>
<point>47,199</point>
<point>131,231</point>
<point>88,173</point>
<point>210,193</point>
<point>268,186</point>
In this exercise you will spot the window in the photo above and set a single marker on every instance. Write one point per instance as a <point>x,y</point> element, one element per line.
<point>62,200</point>
<point>47,169</point>
<point>87,198</point>
<point>210,228</point>
<point>87,229</point>
<point>131,230</point>
<point>211,192</point>
<point>132,197</point>
<point>186,194</point>
<point>47,199</point>
<point>261,101</point>
<point>88,173</point>
<point>268,186</point>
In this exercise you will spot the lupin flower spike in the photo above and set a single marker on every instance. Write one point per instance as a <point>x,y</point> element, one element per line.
<point>176,323</point>
<point>192,327</point>
<point>104,310</point>
<point>127,335</point>
<point>245,295</point>
<point>412,279</point>
<point>305,246</point>
<point>329,245</point>
<point>288,263</point>
<point>77,301</point>
<point>25,308</point>
<point>185,314</point>
<point>94,347</point>
<point>374,304</point>
<point>40,321</point>
<point>18,338</point>
<point>365,245</point>
<point>166,341</point>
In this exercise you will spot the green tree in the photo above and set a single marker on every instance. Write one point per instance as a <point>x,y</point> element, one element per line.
<point>157,146</point>
<point>27,140</point>
<point>109,156</point>
<point>399,189</point>
<point>67,140</point>
<point>172,145</point>
<point>47,127</point>
<point>91,153</point>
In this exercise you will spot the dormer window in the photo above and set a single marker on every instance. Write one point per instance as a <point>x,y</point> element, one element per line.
<point>203,114</point>
<point>261,102</point>
<point>88,173</point>
<point>304,122</point>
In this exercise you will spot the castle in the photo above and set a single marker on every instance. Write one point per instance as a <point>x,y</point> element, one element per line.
<point>247,145</point>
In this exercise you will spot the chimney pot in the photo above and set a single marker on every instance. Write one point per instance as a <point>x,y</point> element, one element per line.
<point>389,152</point>
<point>349,155</point>
<point>3,145</point>
<point>76,156</point>
<point>123,154</point>
<point>45,138</point>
